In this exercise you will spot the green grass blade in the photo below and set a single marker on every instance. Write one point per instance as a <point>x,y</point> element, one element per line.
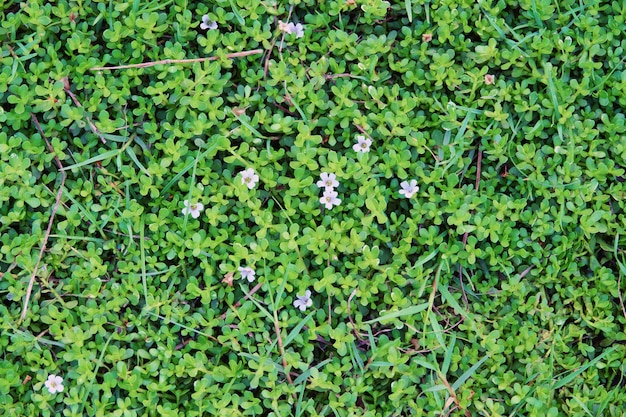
<point>300,398</point>
<point>249,126</point>
<point>436,388</point>
<point>81,238</point>
<point>467,374</point>
<point>552,89</point>
<point>583,406</point>
<point>356,357</point>
<point>381,364</point>
<point>114,138</point>
<point>302,114</point>
<point>192,185</point>
<point>85,212</point>
<point>447,359</point>
<point>409,311</point>
<point>263,309</point>
<point>296,330</point>
<point>437,329</point>
<point>443,290</point>
<point>427,258</point>
<point>142,248</point>
<point>409,10</point>
<point>425,364</point>
<point>95,372</point>
<point>182,326</point>
<point>281,288</point>
<point>133,157</point>
<point>240,19</point>
<point>372,341</point>
<point>211,148</point>
<point>305,375</point>
<point>572,375</point>
<point>258,359</point>
<point>101,157</point>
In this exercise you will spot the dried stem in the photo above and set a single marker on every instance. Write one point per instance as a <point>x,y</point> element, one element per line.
<point>350,315</point>
<point>453,399</point>
<point>281,348</point>
<point>266,66</point>
<point>178,61</point>
<point>54,210</point>
<point>249,295</point>
<point>93,127</point>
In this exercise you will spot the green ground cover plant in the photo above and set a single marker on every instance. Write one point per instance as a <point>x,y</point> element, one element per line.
<point>312,208</point>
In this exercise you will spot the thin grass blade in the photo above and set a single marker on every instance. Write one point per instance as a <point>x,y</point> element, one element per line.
<point>101,157</point>
<point>409,311</point>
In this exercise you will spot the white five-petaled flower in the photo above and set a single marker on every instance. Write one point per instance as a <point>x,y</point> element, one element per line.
<point>283,26</point>
<point>329,199</point>
<point>290,28</point>
<point>298,29</point>
<point>362,144</point>
<point>409,188</point>
<point>194,209</point>
<point>249,178</point>
<point>247,272</point>
<point>54,384</point>
<point>327,181</point>
<point>490,79</point>
<point>303,301</point>
<point>207,23</point>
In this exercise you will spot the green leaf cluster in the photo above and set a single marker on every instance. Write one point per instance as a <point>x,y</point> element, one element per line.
<point>497,289</point>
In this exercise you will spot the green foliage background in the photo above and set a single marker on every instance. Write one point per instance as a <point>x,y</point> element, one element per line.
<point>495,290</point>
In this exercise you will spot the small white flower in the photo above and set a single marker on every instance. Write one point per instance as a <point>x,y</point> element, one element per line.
<point>249,178</point>
<point>328,181</point>
<point>409,188</point>
<point>207,23</point>
<point>329,199</point>
<point>247,272</point>
<point>194,209</point>
<point>490,79</point>
<point>303,301</point>
<point>54,384</point>
<point>298,29</point>
<point>362,144</point>
<point>284,26</point>
<point>290,28</point>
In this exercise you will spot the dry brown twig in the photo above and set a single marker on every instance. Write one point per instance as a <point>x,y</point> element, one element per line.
<point>452,399</point>
<point>94,129</point>
<point>356,333</point>
<point>31,282</point>
<point>178,61</point>
<point>247,296</point>
<point>281,348</point>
